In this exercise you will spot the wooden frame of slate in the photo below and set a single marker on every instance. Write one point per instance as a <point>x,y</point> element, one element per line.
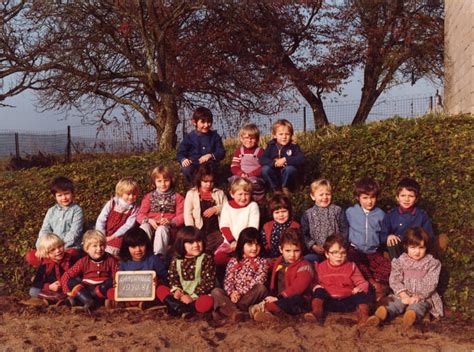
<point>135,285</point>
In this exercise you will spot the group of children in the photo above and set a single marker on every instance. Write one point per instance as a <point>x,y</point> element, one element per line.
<point>210,254</point>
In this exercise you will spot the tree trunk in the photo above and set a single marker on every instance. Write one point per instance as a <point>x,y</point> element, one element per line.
<point>367,101</point>
<point>165,122</point>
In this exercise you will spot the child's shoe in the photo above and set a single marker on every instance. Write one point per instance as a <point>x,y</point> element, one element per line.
<point>35,301</point>
<point>259,307</point>
<point>372,321</point>
<point>231,312</point>
<point>381,313</point>
<point>175,307</point>
<point>264,316</point>
<point>317,311</point>
<point>409,318</point>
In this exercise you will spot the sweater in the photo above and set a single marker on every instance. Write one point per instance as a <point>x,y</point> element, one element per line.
<point>192,206</point>
<point>240,161</point>
<point>116,204</point>
<point>235,218</point>
<point>173,206</point>
<point>267,241</point>
<point>49,271</point>
<point>365,228</point>
<point>241,276</point>
<point>397,222</point>
<point>150,262</point>
<point>298,278</point>
<point>194,145</point>
<point>292,152</point>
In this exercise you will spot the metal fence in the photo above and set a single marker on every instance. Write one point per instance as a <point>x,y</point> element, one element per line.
<point>138,137</point>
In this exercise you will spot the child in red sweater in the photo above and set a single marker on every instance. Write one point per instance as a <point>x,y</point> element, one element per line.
<point>340,287</point>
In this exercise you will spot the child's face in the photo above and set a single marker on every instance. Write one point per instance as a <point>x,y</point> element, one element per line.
<point>193,249</point>
<point>251,250</point>
<point>367,201</point>
<point>64,198</point>
<point>248,141</point>
<point>162,183</point>
<point>336,255</point>
<point>282,135</point>
<point>416,252</point>
<point>291,252</point>
<point>242,197</point>
<point>96,250</point>
<point>281,215</point>
<point>137,252</point>
<point>406,199</point>
<point>322,197</point>
<point>129,197</point>
<point>56,254</point>
<point>202,126</point>
<point>207,183</point>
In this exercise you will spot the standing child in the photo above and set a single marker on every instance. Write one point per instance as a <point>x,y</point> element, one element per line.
<point>161,211</point>
<point>340,285</point>
<point>237,214</point>
<point>398,220</point>
<point>192,276</point>
<point>290,285</point>
<point>365,224</point>
<point>322,220</point>
<point>119,214</point>
<point>279,207</point>
<point>282,158</point>
<point>203,205</point>
<point>245,277</point>
<point>90,278</point>
<point>413,279</point>
<point>201,145</point>
<point>245,162</point>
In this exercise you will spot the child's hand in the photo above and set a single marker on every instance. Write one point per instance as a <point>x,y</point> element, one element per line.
<point>317,249</point>
<point>270,299</point>
<point>280,162</point>
<point>316,287</point>
<point>153,223</point>
<point>178,294</point>
<point>186,162</point>
<point>356,290</point>
<point>165,221</point>
<point>234,297</point>
<point>233,245</point>
<point>392,240</point>
<point>405,298</point>
<point>210,212</point>
<point>415,299</point>
<point>55,286</point>
<point>109,238</point>
<point>186,299</point>
<point>205,158</point>
<point>244,175</point>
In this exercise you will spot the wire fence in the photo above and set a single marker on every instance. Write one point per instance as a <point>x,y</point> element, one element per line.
<point>127,138</point>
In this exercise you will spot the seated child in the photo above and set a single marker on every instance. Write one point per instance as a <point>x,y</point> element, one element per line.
<point>245,278</point>
<point>119,214</point>
<point>398,220</point>
<point>322,220</point>
<point>365,223</point>
<point>136,254</point>
<point>203,205</point>
<point>282,158</point>
<point>191,275</point>
<point>64,219</point>
<point>237,214</point>
<point>290,286</point>
<point>201,145</point>
<point>245,162</point>
<point>161,211</point>
<point>413,279</point>
<point>279,208</point>
<point>340,285</point>
<point>54,262</point>
<point>89,279</point>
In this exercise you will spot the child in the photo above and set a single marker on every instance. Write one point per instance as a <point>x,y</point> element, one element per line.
<point>282,158</point>
<point>161,211</point>
<point>340,285</point>
<point>65,219</point>
<point>245,278</point>
<point>279,207</point>
<point>54,262</point>
<point>322,220</point>
<point>398,220</point>
<point>90,278</point>
<point>119,214</point>
<point>203,205</point>
<point>290,283</point>
<point>413,279</point>
<point>237,214</point>
<point>245,162</point>
<point>201,145</point>
<point>365,223</point>
<point>192,276</point>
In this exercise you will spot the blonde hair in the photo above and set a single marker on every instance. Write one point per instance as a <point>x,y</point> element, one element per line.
<point>321,182</point>
<point>241,183</point>
<point>46,243</point>
<point>251,129</point>
<point>92,236</point>
<point>161,170</point>
<point>282,123</point>
<point>126,185</point>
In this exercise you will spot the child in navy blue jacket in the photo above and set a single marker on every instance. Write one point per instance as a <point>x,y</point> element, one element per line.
<point>201,145</point>
<point>282,158</point>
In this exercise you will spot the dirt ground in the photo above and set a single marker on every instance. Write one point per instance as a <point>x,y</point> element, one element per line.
<point>60,329</point>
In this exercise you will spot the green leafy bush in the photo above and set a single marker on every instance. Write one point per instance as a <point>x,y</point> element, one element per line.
<point>437,151</point>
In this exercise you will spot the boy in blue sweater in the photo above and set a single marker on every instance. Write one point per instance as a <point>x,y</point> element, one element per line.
<point>398,220</point>
<point>201,145</point>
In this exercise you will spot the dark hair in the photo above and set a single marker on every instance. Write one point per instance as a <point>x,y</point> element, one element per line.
<point>366,185</point>
<point>204,170</point>
<point>409,184</point>
<point>415,236</point>
<point>292,236</point>
<point>247,235</point>
<point>186,234</point>
<point>277,202</point>
<point>333,239</point>
<point>61,184</point>
<point>132,238</point>
<point>203,114</point>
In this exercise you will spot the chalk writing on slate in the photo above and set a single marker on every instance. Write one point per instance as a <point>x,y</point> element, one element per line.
<point>135,285</point>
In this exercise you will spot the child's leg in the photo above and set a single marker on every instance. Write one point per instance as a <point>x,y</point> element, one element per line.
<point>271,177</point>
<point>189,172</point>
<point>255,295</point>
<point>203,304</point>
<point>162,238</point>
<point>258,189</point>
<point>288,175</point>
<point>34,292</point>
<point>420,308</point>
<point>314,257</point>
<point>361,260</point>
<point>395,307</point>
<point>380,267</point>
<point>149,230</point>
<point>293,305</point>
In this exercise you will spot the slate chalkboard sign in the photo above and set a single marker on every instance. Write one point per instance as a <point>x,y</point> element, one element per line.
<point>135,285</point>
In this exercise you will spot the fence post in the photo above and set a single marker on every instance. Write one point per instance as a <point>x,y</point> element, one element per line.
<point>17,145</point>
<point>68,145</point>
<point>431,104</point>
<point>304,118</point>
